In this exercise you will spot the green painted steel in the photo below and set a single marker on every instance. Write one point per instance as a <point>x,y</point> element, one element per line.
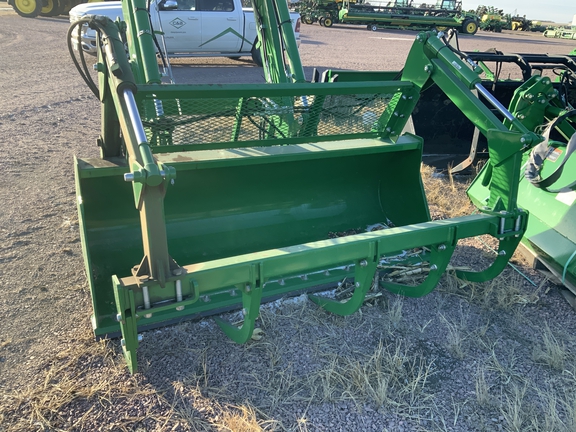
<point>224,197</point>
<point>406,16</point>
<point>551,233</point>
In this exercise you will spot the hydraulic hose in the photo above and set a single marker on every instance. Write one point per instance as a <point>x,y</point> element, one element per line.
<point>82,69</point>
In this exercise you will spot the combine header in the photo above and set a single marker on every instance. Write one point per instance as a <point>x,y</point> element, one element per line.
<point>211,198</point>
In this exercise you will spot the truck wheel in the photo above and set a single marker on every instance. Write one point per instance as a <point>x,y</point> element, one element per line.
<point>321,21</point>
<point>470,27</point>
<point>256,54</point>
<point>328,22</point>
<point>373,27</point>
<point>27,8</point>
<point>307,20</point>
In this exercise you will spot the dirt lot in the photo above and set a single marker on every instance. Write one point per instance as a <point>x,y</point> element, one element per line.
<point>497,356</point>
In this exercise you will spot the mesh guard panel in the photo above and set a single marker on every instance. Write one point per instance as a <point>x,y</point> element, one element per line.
<point>186,121</point>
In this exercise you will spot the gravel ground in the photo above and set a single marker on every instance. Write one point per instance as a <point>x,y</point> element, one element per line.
<point>479,357</point>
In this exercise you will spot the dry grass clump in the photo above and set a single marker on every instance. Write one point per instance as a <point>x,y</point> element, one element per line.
<point>503,292</point>
<point>391,377</point>
<point>87,387</point>
<point>446,194</point>
<point>552,351</point>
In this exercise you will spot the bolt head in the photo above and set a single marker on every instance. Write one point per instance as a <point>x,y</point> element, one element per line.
<point>502,253</point>
<point>442,247</point>
<point>123,342</point>
<point>363,263</point>
<point>140,337</point>
<point>119,317</point>
<point>357,284</point>
<point>433,267</point>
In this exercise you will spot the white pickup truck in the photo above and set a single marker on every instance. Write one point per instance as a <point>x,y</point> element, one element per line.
<point>204,28</point>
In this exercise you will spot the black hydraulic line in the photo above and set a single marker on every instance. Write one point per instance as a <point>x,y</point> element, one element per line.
<point>82,70</point>
<point>154,35</point>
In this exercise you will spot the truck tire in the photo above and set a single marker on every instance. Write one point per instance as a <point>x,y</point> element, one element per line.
<point>27,8</point>
<point>373,27</point>
<point>256,54</point>
<point>321,21</point>
<point>469,27</point>
<point>328,22</point>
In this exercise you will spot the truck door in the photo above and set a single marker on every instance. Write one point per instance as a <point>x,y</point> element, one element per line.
<point>182,25</point>
<point>222,26</point>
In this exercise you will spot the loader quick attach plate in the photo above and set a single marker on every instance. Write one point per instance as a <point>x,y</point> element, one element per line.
<point>267,176</point>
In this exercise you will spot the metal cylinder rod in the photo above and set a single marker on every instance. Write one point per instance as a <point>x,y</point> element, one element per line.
<point>137,126</point>
<point>134,115</point>
<point>146,296</point>
<point>179,290</point>
<point>494,102</point>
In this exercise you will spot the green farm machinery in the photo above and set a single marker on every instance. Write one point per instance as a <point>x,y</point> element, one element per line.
<point>323,12</point>
<point>213,198</point>
<point>406,15</point>
<point>561,33</point>
<point>390,14</point>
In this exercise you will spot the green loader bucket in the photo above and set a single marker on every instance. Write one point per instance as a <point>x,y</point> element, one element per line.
<point>235,202</point>
<point>229,202</point>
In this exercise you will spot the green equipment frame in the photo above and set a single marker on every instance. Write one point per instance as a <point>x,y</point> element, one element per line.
<point>209,198</point>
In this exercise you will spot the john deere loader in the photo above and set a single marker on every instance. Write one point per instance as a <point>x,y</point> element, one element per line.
<point>212,198</point>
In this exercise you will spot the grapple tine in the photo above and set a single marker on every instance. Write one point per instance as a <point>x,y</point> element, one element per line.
<point>363,275</point>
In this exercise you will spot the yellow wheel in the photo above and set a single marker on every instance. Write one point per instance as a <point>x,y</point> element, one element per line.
<point>470,27</point>
<point>328,22</point>
<point>50,8</point>
<point>441,28</point>
<point>67,5</point>
<point>27,8</point>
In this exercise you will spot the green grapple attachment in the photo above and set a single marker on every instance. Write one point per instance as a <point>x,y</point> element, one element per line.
<point>213,198</point>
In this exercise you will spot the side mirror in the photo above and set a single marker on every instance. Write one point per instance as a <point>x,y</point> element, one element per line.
<point>169,5</point>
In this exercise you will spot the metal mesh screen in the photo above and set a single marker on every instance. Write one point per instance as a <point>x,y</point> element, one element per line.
<point>181,121</point>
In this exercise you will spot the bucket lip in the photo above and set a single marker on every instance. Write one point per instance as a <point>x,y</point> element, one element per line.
<point>284,153</point>
<point>194,159</point>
